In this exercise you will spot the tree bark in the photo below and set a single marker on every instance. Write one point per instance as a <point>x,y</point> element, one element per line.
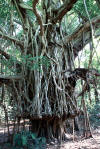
<point>43,94</point>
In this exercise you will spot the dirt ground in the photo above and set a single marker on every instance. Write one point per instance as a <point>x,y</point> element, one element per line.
<point>80,143</point>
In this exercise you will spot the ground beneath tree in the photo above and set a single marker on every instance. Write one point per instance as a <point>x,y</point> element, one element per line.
<point>80,143</point>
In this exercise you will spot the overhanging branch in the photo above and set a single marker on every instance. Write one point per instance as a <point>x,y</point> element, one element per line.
<point>81,73</point>
<point>78,44</point>
<point>67,6</point>
<point>83,31</point>
<point>8,57</point>
<point>84,28</point>
<point>16,41</point>
<point>6,79</point>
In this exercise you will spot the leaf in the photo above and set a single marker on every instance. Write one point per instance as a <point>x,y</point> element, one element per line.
<point>33,136</point>
<point>17,141</point>
<point>24,140</point>
<point>25,6</point>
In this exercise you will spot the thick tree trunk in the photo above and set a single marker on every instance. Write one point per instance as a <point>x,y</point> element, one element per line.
<point>52,128</point>
<point>45,94</point>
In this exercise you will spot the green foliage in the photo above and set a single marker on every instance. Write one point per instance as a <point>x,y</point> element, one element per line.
<point>4,11</point>
<point>29,140</point>
<point>32,63</point>
<point>35,63</point>
<point>78,15</point>
<point>6,146</point>
<point>70,22</point>
<point>94,110</point>
<point>91,6</point>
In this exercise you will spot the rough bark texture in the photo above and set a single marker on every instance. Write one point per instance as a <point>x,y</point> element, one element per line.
<point>46,95</point>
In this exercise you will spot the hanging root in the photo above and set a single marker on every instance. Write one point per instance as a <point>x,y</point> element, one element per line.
<point>35,2</point>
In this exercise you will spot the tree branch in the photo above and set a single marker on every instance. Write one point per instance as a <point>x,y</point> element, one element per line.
<point>85,88</point>
<point>35,2</point>
<point>98,3</point>
<point>84,28</point>
<point>18,22</point>
<point>67,6</point>
<point>78,44</point>
<point>16,41</point>
<point>21,9</point>
<point>6,55</point>
<point>6,79</point>
<point>81,73</point>
<point>77,37</point>
<point>84,19</point>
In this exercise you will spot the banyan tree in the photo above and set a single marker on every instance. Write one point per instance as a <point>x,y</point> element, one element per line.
<point>38,48</point>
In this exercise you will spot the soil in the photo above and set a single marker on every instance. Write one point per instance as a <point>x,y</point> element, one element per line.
<point>78,143</point>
